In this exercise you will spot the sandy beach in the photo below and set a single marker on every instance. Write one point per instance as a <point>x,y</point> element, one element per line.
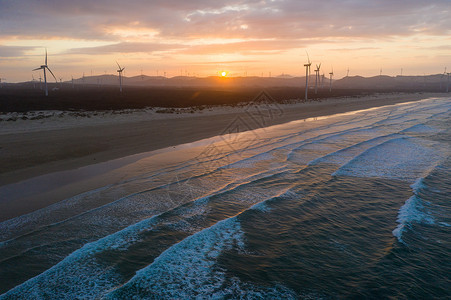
<point>57,141</point>
<point>41,151</point>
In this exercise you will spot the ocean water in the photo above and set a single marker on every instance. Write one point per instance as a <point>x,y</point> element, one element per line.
<point>354,205</point>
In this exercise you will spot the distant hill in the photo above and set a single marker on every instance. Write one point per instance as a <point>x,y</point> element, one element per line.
<point>189,81</point>
<point>436,82</point>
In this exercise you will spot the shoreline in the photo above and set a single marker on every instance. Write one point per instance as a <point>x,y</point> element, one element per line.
<point>25,154</point>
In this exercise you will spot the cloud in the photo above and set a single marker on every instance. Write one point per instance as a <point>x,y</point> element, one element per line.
<point>13,51</point>
<point>126,47</point>
<point>178,29</point>
<point>245,47</point>
<point>247,19</point>
<point>228,62</point>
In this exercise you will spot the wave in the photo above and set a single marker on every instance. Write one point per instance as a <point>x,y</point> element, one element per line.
<point>412,211</point>
<point>429,203</point>
<point>344,155</point>
<point>402,158</point>
<point>420,129</point>
<point>81,274</point>
<point>190,268</point>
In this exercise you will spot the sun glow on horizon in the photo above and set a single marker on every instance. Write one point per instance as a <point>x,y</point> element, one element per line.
<point>245,38</point>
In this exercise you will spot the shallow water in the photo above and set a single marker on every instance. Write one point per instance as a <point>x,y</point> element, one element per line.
<point>354,205</point>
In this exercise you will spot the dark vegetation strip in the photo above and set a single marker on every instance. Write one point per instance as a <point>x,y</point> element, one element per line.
<point>22,99</point>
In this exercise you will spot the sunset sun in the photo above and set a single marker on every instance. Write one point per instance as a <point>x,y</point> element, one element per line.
<point>223,73</point>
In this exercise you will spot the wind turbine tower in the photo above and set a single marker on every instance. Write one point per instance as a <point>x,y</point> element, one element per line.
<point>447,84</point>
<point>120,70</point>
<point>307,74</point>
<point>441,78</point>
<point>317,77</point>
<point>331,74</point>
<point>44,67</point>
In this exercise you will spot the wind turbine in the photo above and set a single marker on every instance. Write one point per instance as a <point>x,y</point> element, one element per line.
<point>43,67</point>
<point>307,74</point>
<point>317,77</point>
<point>120,76</point>
<point>447,84</point>
<point>441,78</point>
<point>34,81</point>
<point>331,74</point>
<point>1,84</point>
<point>347,73</point>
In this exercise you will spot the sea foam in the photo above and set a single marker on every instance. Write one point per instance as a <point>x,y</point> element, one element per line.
<point>412,211</point>
<point>400,158</point>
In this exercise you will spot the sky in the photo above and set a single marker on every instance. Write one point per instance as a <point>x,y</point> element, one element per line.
<point>243,38</point>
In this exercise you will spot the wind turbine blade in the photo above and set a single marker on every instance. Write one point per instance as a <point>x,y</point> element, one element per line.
<point>37,69</point>
<point>45,56</point>
<point>52,73</point>
<point>308,57</point>
<point>123,69</point>
<point>118,65</point>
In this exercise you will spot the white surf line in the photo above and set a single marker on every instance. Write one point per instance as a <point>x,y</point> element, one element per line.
<point>385,137</point>
<point>347,122</point>
<point>185,269</point>
<point>224,189</point>
<point>84,260</point>
<point>314,129</point>
<point>369,142</point>
<point>32,219</point>
<point>401,158</point>
<point>411,211</point>
<point>325,136</point>
<point>43,210</point>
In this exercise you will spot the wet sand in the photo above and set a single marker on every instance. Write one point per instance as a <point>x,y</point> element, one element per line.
<point>39,165</point>
<point>28,154</point>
